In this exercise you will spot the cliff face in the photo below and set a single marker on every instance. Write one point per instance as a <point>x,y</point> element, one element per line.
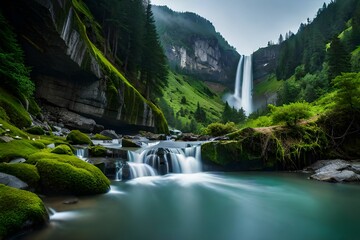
<point>265,62</point>
<point>194,47</point>
<point>61,43</point>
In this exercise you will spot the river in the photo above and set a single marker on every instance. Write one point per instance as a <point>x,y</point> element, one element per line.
<point>210,206</point>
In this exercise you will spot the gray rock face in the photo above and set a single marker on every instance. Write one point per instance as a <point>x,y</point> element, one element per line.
<point>12,181</point>
<point>110,133</point>
<point>335,171</point>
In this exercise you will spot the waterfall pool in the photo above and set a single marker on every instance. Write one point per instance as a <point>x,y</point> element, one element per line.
<point>210,206</point>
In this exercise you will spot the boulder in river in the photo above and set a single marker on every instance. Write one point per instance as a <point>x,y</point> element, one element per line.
<point>12,181</point>
<point>335,171</point>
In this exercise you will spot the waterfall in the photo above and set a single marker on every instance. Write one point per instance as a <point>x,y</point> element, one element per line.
<point>246,88</point>
<point>242,97</point>
<point>82,153</point>
<point>238,78</point>
<point>161,160</point>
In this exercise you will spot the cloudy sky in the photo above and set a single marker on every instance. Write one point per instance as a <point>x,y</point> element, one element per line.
<point>250,24</point>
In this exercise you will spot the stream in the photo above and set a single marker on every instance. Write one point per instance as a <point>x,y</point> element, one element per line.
<point>210,206</point>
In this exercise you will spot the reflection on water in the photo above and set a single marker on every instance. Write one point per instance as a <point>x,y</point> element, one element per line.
<point>213,207</point>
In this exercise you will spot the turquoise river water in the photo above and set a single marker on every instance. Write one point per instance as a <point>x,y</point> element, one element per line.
<point>210,206</point>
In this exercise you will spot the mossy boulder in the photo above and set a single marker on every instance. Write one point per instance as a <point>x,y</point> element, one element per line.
<point>63,174</point>
<point>25,172</point>
<point>77,137</point>
<point>128,143</point>
<point>36,130</point>
<point>100,137</point>
<point>20,210</point>
<point>97,151</point>
<point>62,149</point>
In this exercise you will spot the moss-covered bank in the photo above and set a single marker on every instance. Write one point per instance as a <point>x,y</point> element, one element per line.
<point>272,148</point>
<point>20,210</point>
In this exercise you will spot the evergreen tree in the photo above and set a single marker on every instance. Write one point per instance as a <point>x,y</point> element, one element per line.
<point>200,114</point>
<point>338,59</point>
<point>154,70</point>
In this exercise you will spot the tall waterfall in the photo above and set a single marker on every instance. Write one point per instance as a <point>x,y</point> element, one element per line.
<point>242,97</point>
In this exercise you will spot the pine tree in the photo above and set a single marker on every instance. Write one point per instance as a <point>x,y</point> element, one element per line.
<point>338,59</point>
<point>154,70</point>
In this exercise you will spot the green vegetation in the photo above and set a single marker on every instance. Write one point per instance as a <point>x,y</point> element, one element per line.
<point>182,116</point>
<point>62,149</point>
<point>98,136</point>
<point>291,113</point>
<point>77,137</point>
<point>15,76</point>
<point>19,207</point>
<point>97,151</point>
<point>25,172</point>
<point>15,112</point>
<point>36,130</point>
<point>219,129</point>
<point>68,174</point>
<point>271,85</point>
<point>18,149</point>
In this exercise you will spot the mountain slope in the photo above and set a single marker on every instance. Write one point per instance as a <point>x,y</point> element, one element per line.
<point>194,47</point>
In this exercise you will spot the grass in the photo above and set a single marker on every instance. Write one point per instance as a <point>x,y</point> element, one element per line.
<point>19,207</point>
<point>271,85</point>
<point>195,92</point>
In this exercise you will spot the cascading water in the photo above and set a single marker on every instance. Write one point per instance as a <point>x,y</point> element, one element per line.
<point>82,153</point>
<point>162,159</point>
<point>242,97</point>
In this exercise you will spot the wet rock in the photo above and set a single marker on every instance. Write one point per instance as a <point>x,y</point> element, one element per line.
<point>12,181</point>
<point>336,176</point>
<point>110,133</point>
<point>18,160</point>
<point>335,171</point>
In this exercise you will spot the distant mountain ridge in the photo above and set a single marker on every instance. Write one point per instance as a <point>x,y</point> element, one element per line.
<point>193,46</point>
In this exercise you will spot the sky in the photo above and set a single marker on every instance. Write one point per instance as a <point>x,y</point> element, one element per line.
<point>250,24</point>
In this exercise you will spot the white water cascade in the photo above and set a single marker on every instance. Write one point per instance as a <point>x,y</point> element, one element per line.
<point>242,97</point>
<point>162,159</point>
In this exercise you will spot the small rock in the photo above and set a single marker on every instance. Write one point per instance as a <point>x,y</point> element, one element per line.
<point>6,139</point>
<point>110,133</point>
<point>18,160</point>
<point>71,201</point>
<point>18,138</point>
<point>12,181</point>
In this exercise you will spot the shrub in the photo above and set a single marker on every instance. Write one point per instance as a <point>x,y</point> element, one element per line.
<point>219,129</point>
<point>290,113</point>
<point>62,149</point>
<point>18,208</point>
<point>68,175</point>
<point>25,172</point>
<point>77,137</point>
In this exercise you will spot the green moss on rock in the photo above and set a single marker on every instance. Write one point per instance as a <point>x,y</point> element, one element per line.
<point>68,175</point>
<point>62,149</point>
<point>18,149</point>
<point>97,151</point>
<point>100,137</point>
<point>25,172</point>
<point>20,210</point>
<point>36,130</point>
<point>77,137</point>
<point>129,143</point>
